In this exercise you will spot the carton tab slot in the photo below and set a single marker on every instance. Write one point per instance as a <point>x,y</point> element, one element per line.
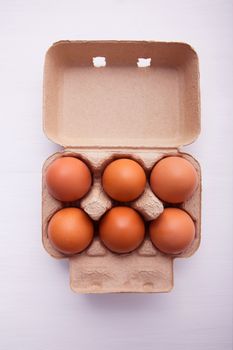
<point>99,62</point>
<point>143,62</point>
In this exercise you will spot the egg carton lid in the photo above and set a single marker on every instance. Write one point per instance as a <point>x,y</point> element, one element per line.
<point>139,94</point>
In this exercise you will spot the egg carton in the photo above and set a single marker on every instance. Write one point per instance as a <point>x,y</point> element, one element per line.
<point>104,100</point>
<point>98,270</point>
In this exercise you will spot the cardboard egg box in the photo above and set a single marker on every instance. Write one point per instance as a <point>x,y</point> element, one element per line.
<point>105,100</point>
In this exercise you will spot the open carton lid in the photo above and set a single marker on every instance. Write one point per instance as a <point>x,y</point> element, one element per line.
<point>137,94</point>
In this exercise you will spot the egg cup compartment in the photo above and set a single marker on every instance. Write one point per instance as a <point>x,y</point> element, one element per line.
<point>98,270</point>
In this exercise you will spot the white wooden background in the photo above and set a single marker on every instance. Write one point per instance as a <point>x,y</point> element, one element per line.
<point>37,309</point>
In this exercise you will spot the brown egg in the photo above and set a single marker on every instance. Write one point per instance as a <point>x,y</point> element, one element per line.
<point>122,229</point>
<point>174,179</point>
<point>124,180</point>
<point>68,179</point>
<point>173,231</point>
<point>70,230</point>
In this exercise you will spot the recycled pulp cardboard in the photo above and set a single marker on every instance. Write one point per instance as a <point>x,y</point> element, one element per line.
<point>109,99</point>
